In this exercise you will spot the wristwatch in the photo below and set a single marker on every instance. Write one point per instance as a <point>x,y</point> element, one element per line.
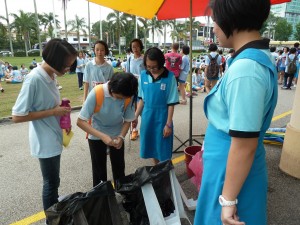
<point>122,137</point>
<point>223,202</point>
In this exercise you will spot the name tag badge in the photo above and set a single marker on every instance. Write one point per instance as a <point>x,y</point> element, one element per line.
<point>162,86</point>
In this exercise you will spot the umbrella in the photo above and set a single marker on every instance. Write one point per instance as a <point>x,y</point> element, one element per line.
<point>166,10</point>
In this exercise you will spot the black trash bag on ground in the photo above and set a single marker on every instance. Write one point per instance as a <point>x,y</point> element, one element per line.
<point>96,207</point>
<point>130,188</point>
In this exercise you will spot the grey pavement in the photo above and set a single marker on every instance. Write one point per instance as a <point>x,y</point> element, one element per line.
<point>21,182</point>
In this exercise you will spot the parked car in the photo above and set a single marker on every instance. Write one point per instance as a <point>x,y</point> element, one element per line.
<point>5,53</point>
<point>33,51</point>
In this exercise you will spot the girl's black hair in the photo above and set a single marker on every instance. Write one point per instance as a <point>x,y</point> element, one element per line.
<point>124,84</point>
<point>104,44</point>
<point>185,49</point>
<point>56,53</point>
<point>155,54</point>
<point>240,15</point>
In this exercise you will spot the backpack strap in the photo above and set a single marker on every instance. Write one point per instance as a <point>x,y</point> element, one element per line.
<point>100,98</point>
<point>126,103</point>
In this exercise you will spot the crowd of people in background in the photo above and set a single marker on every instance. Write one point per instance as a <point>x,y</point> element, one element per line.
<point>153,82</point>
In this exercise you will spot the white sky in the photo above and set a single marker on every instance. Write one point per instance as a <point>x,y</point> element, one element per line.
<point>79,7</point>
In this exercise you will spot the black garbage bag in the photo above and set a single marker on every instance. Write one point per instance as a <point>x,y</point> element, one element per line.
<point>130,188</point>
<point>96,207</point>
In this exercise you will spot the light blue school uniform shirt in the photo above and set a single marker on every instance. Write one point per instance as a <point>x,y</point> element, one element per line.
<point>136,65</point>
<point>79,63</point>
<point>185,68</point>
<point>111,116</point>
<point>290,58</point>
<point>95,74</point>
<point>237,93</point>
<point>172,96</point>
<point>39,93</point>
<point>17,76</point>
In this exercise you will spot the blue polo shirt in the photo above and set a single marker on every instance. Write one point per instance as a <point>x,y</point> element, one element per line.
<point>111,116</point>
<point>95,74</point>
<point>243,94</point>
<point>39,93</point>
<point>172,95</point>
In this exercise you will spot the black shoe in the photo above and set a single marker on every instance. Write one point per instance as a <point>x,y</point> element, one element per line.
<point>2,90</point>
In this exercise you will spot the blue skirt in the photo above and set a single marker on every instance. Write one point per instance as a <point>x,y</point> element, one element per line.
<point>252,199</point>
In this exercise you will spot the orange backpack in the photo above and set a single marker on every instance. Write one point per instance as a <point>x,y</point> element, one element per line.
<point>100,98</point>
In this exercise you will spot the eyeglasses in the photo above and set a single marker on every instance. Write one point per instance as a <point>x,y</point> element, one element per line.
<point>154,68</point>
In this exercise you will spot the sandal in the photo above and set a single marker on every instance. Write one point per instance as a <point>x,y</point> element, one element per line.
<point>183,102</point>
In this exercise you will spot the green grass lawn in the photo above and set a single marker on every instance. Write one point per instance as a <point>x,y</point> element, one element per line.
<point>70,90</point>
<point>69,83</point>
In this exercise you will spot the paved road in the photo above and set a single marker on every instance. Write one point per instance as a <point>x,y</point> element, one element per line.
<point>20,178</point>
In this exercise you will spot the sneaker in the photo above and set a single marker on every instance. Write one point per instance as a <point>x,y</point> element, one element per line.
<point>134,135</point>
<point>295,85</point>
<point>2,90</point>
<point>59,87</point>
<point>284,87</point>
<point>81,88</point>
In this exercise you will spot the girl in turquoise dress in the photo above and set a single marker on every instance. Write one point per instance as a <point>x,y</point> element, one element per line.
<point>239,110</point>
<point>158,94</point>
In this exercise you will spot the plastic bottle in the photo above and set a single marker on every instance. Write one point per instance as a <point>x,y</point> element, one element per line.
<point>65,121</point>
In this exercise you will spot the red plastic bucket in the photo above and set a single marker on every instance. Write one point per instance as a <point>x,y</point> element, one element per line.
<point>189,153</point>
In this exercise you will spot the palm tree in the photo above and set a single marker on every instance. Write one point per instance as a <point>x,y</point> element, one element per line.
<point>165,24</point>
<point>96,28</point>
<point>116,18</point>
<point>78,25</point>
<point>47,21</point>
<point>38,27</point>
<point>155,26</point>
<point>23,24</point>
<point>8,27</point>
<point>145,30</point>
<point>3,29</point>
<point>64,4</point>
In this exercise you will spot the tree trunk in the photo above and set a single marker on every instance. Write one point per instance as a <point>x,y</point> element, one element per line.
<point>38,27</point>
<point>78,40</point>
<point>165,34</point>
<point>8,27</point>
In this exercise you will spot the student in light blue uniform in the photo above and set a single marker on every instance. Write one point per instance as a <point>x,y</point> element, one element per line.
<point>97,71</point>
<point>135,65</point>
<point>184,72</point>
<point>110,125</point>
<point>80,69</point>
<point>16,76</point>
<point>38,102</point>
<point>158,95</point>
<point>239,111</point>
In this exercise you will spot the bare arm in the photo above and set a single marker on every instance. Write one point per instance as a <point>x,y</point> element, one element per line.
<point>239,162</point>
<point>85,91</point>
<point>57,111</point>
<point>139,108</point>
<point>84,125</point>
<point>169,126</point>
<point>240,159</point>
